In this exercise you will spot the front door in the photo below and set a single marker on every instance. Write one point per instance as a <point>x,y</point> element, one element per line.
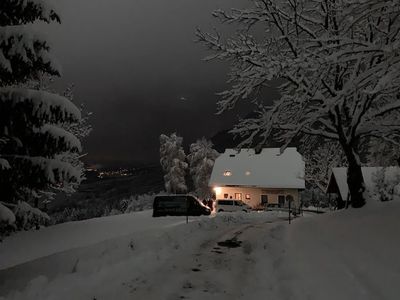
<point>281,200</point>
<point>264,200</point>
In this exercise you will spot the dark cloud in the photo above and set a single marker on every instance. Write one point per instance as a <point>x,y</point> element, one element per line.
<point>132,62</point>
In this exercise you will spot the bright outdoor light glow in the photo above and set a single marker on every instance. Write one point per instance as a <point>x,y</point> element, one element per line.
<point>217,190</point>
<point>228,173</point>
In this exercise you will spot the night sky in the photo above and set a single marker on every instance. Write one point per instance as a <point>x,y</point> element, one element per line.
<point>135,65</point>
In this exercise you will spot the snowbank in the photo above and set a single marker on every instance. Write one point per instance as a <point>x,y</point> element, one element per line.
<point>350,254</point>
<point>6,215</point>
<point>62,237</point>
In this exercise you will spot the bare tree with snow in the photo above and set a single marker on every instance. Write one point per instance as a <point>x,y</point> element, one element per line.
<point>383,153</point>
<point>173,163</point>
<point>201,161</point>
<point>319,161</point>
<point>340,61</point>
<point>34,124</point>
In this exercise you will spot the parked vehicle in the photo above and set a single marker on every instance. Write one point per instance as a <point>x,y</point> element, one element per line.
<point>179,205</point>
<point>230,205</point>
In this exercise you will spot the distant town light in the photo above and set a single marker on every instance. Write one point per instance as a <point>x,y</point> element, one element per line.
<point>248,173</point>
<point>227,173</point>
<point>217,190</point>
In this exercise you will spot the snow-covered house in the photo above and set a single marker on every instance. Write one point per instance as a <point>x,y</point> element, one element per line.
<point>337,184</point>
<point>259,178</point>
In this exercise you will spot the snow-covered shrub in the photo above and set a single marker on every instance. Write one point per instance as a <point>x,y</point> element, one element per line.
<point>314,197</point>
<point>21,216</point>
<point>386,184</point>
<point>138,202</point>
<point>7,221</point>
<point>114,212</point>
<point>28,217</point>
<point>70,214</point>
<point>6,215</point>
<point>109,211</point>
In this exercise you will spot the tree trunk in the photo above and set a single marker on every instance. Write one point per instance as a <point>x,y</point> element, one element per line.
<point>355,180</point>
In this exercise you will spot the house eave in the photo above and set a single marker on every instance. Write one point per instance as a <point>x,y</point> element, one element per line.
<point>258,186</point>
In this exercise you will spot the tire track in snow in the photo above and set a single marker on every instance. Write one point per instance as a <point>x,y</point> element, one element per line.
<point>207,269</point>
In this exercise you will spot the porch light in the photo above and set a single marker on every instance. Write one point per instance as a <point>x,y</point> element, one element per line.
<point>227,173</point>
<point>217,190</point>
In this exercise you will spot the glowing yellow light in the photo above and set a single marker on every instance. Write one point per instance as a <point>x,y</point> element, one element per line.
<point>228,173</point>
<point>217,190</point>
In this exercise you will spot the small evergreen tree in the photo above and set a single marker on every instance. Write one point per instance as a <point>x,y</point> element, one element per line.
<point>201,161</point>
<point>34,124</point>
<point>172,159</point>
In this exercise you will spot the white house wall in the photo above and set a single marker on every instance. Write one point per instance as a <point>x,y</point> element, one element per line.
<point>255,194</point>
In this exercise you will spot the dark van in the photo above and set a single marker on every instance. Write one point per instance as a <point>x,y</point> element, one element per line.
<point>179,205</point>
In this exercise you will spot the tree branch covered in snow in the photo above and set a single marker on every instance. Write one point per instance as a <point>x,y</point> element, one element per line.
<point>340,61</point>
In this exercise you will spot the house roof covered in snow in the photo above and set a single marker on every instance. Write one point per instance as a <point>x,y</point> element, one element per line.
<point>339,175</point>
<point>267,169</point>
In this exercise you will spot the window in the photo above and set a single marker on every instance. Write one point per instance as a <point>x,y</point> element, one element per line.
<point>247,196</point>
<point>226,196</point>
<point>225,202</point>
<point>238,196</point>
<point>227,173</point>
<point>264,199</point>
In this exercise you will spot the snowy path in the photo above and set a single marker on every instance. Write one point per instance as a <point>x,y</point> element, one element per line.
<point>345,255</point>
<point>146,264</point>
<point>208,269</point>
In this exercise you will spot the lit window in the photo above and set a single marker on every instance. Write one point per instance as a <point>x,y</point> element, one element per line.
<point>226,196</point>
<point>247,196</point>
<point>227,173</point>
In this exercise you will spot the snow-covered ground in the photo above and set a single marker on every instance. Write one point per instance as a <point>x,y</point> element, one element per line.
<point>343,255</point>
<point>71,235</point>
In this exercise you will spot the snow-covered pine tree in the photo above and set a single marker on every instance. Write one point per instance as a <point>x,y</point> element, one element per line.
<point>32,122</point>
<point>340,61</point>
<point>172,159</point>
<point>201,161</point>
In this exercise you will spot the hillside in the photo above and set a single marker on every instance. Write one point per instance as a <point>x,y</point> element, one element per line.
<point>99,195</point>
